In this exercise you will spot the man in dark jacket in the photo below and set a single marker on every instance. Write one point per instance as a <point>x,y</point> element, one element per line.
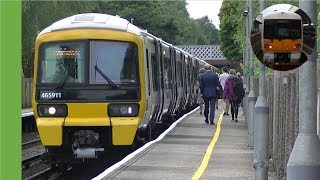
<point>208,84</point>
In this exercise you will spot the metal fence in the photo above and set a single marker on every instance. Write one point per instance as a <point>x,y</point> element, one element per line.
<point>26,90</point>
<point>318,97</point>
<point>282,90</point>
<point>283,99</point>
<point>204,52</point>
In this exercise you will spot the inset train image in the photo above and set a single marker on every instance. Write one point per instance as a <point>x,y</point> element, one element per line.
<point>282,38</point>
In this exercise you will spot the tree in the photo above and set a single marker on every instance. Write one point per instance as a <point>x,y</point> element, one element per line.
<point>168,20</point>
<point>37,15</point>
<point>232,29</point>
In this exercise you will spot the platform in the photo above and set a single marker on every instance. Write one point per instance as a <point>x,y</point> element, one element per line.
<point>184,151</point>
<point>25,112</point>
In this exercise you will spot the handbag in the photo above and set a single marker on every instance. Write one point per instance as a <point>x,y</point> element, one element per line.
<point>219,91</point>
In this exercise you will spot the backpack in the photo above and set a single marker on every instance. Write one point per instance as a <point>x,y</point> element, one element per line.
<point>219,91</point>
<point>238,91</point>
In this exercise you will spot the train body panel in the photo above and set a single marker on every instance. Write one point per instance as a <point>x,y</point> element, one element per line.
<point>50,131</point>
<point>285,45</point>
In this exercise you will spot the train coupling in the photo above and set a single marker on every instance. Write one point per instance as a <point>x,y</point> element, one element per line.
<point>87,152</point>
<point>86,144</point>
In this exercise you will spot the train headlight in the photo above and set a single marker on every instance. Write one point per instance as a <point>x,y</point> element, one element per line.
<point>268,46</point>
<point>123,110</point>
<point>52,110</point>
<point>297,46</point>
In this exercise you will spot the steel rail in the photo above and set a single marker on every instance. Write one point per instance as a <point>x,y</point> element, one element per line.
<point>32,143</point>
<point>26,162</point>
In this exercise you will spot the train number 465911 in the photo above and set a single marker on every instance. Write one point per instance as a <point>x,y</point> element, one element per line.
<point>50,95</point>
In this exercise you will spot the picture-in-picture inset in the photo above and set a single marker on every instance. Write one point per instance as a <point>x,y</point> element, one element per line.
<point>282,37</point>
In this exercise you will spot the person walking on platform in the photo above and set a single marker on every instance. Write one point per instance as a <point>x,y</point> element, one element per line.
<point>199,98</point>
<point>234,92</point>
<point>219,89</point>
<point>241,79</point>
<point>208,84</point>
<point>223,77</point>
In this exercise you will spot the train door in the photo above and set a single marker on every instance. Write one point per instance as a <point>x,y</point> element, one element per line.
<point>167,77</point>
<point>157,94</point>
<point>173,84</point>
<point>187,77</point>
<point>194,81</point>
<point>191,81</point>
<point>184,80</point>
<point>179,81</point>
<point>152,95</point>
<point>196,70</point>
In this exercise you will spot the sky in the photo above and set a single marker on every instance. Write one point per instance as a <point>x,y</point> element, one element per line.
<point>200,8</point>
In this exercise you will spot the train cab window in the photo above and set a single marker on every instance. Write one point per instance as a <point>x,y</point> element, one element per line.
<point>118,61</point>
<point>282,29</point>
<point>61,62</point>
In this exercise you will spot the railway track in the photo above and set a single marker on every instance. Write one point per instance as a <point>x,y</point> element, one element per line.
<point>36,159</point>
<point>40,174</point>
<point>38,168</point>
<point>30,144</point>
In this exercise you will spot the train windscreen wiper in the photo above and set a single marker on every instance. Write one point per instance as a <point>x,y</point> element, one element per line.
<point>105,77</point>
<point>65,77</point>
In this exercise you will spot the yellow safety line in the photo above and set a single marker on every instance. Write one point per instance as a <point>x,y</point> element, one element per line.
<point>207,156</point>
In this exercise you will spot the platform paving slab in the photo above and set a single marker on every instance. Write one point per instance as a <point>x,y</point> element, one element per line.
<point>179,154</point>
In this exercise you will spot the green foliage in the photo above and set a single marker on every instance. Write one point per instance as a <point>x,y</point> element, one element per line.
<point>318,29</point>
<point>232,32</point>
<point>168,20</point>
<point>37,15</point>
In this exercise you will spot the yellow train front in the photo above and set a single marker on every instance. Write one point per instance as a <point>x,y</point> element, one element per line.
<point>101,82</point>
<point>282,38</point>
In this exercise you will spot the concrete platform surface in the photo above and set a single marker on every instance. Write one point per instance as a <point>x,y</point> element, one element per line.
<point>179,154</point>
<point>26,112</point>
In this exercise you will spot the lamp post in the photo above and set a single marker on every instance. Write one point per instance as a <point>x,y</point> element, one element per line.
<point>304,161</point>
<point>261,125</point>
<point>251,96</point>
<point>246,64</point>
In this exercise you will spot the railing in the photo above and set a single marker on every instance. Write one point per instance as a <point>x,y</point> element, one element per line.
<point>282,90</point>
<point>26,90</point>
<point>204,52</point>
<point>318,108</point>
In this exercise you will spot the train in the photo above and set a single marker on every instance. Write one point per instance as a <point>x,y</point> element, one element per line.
<point>101,82</point>
<point>282,38</point>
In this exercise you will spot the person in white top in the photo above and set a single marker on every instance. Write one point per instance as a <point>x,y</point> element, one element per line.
<point>223,77</point>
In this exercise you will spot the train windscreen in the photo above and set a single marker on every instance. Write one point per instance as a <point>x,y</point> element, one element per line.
<point>117,60</point>
<point>88,71</point>
<point>282,29</point>
<point>56,60</point>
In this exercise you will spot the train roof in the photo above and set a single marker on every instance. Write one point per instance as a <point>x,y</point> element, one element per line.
<point>93,21</point>
<point>282,15</point>
<point>100,21</point>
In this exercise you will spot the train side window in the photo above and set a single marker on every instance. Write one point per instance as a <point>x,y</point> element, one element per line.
<point>167,71</point>
<point>179,70</point>
<point>155,72</point>
<point>147,59</point>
